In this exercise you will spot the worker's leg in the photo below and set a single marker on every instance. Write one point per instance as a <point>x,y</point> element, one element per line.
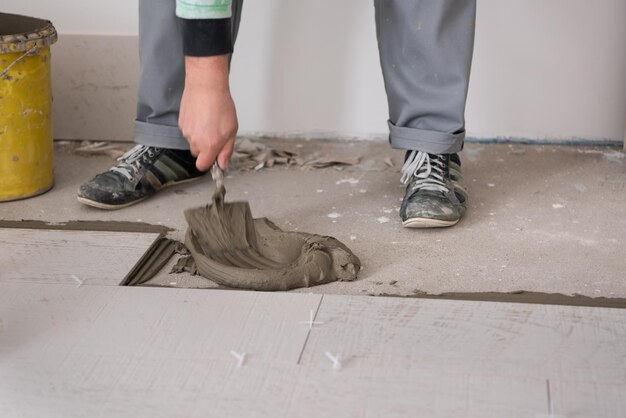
<point>162,156</point>
<point>162,73</point>
<point>425,53</point>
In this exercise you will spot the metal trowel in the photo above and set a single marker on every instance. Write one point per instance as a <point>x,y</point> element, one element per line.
<point>217,174</point>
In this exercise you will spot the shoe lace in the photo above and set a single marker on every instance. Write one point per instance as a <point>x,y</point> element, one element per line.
<point>427,170</point>
<point>130,164</point>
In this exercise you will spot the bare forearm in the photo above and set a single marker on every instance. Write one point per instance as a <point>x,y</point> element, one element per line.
<point>208,118</point>
<point>207,72</point>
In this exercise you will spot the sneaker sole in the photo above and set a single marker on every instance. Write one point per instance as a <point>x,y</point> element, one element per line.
<point>428,223</point>
<point>107,206</point>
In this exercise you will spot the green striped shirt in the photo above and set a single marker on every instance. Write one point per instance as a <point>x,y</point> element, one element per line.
<point>203,9</point>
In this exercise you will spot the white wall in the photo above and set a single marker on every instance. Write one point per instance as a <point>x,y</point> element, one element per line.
<point>543,69</point>
<point>108,17</point>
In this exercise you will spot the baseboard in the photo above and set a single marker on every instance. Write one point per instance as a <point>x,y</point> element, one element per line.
<point>382,137</point>
<point>545,141</point>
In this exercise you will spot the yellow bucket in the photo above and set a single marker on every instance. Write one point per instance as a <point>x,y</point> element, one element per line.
<point>26,160</point>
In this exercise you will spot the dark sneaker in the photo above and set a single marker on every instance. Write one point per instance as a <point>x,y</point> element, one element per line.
<point>139,174</point>
<point>435,196</point>
<point>457,179</point>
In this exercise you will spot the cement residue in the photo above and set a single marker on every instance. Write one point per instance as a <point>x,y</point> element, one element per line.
<point>154,259</point>
<point>232,249</point>
<point>521,296</point>
<point>112,226</point>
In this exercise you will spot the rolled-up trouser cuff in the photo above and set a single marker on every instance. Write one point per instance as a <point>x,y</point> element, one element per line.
<point>161,136</point>
<point>432,142</point>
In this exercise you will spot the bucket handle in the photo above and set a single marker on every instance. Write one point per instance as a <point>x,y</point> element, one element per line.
<point>24,55</point>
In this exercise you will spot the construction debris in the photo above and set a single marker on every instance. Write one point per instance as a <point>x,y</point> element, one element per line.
<point>113,150</point>
<point>333,161</point>
<point>250,155</point>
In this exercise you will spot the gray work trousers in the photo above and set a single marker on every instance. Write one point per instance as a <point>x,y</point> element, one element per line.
<point>425,53</point>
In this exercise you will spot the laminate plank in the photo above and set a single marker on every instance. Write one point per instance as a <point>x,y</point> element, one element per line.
<point>70,257</point>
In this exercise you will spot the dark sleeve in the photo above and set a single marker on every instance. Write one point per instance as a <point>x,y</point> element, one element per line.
<point>206,37</point>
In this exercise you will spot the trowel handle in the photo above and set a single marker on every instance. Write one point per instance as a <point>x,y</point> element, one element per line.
<point>218,175</point>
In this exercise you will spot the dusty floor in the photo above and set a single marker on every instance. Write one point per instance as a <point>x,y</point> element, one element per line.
<point>541,218</point>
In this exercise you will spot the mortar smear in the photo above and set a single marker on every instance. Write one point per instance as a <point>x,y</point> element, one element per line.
<point>232,249</point>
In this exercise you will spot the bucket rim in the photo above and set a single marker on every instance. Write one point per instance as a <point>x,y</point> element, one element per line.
<point>24,41</point>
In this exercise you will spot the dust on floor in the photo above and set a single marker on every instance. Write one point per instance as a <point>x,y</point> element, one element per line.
<point>540,218</point>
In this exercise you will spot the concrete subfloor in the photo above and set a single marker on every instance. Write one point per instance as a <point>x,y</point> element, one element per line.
<point>540,218</point>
